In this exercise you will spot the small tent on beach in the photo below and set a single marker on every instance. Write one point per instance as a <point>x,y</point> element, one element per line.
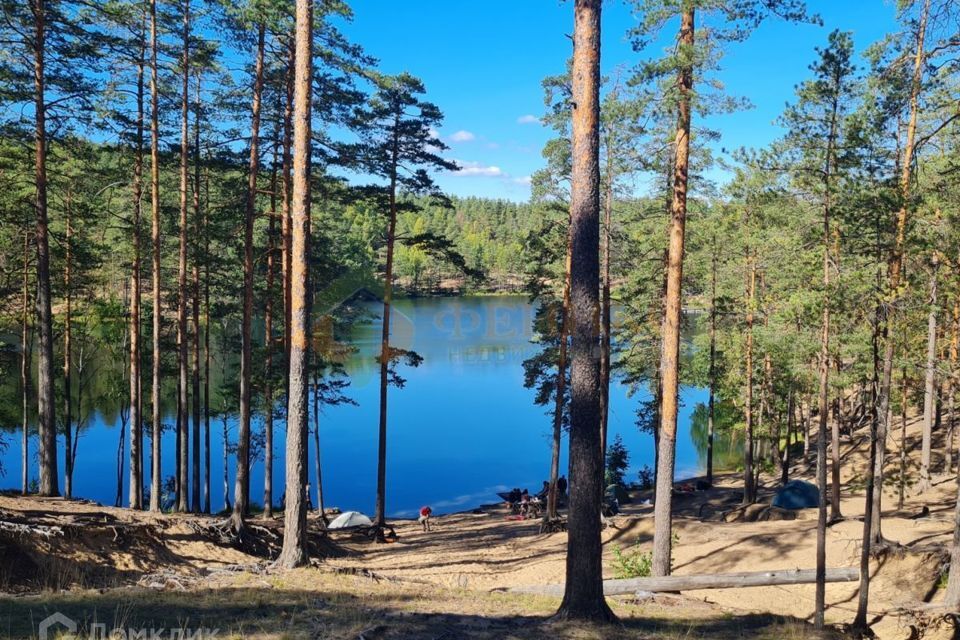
<point>349,519</point>
<point>797,494</point>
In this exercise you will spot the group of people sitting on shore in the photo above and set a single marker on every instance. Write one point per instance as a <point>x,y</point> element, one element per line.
<point>530,506</point>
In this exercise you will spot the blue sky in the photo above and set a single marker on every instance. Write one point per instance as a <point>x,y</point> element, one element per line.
<point>482,63</point>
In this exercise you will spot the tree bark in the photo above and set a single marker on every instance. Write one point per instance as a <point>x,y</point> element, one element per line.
<point>583,596</point>
<point>268,344</point>
<point>318,475</point>
<point>670,351</point>
<point>560,391</point>
<point>952,387</point>
<point>929,381</point>
<point>241,498</point>
<point>294,552</point>
<point>605,336</point>
<point>904,390</point>
<point>749,491</point>
<point>68,356</point>
<point>156,481</point>
<point>25,352</point>
<point>183,404</point>
<point>286,221</point>
<point>47,423</point>
<point>195,306</point>
<point>135,497</point>
<point>379,518</point>
<point>713,360</point>
<point>696,582</point>
<point>894,269</point>
<point>791,428</point>
<point>206,346</point>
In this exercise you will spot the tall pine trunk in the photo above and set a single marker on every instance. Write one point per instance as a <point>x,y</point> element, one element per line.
<point>268,344</point>
<point>25,352</point>
<point>929,381</point>
<point>749,490</point>
<point>605,337</point>
<point>286,222</point>
<point>894,272</point>
<point>560,392</point>
<point>156,481</point>
<point>385,350</point>
<point>294,552</point>
<point>68,355</point>
<point>135,496</point>
<point>195,306</point>
<point>952,387</point>
<point>183,400</point>
<point>46,419</point>
<point>206,346</point>
<point>583,596</point>
<point>317,467</point>
<point>872,512</point>
<point>241,494</point>
<point>712,374</point>
<point>670,351</point>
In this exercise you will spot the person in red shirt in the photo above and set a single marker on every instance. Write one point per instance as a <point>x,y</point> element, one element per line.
<point>424,519</point>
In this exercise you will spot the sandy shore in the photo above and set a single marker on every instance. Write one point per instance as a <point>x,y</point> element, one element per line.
<point>486,551</point>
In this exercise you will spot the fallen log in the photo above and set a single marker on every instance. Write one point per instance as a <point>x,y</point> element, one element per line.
<point>705,581</point>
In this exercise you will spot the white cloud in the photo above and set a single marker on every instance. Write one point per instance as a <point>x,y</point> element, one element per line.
<point>433,133</point>
<point>524,180</point>
<point>462,136</point>
<point>467,168</point>
<point>528,119</point>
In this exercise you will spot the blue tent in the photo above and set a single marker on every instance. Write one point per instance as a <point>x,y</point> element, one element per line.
<point>797,494</point>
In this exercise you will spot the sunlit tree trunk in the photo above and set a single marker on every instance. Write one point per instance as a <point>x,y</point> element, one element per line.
<point>872,512</point>
<point>294,552</point>
<point>583,596</point>
<point>156,481</point>
<point>894,269</point>
<point>135,496</point>
<point>670,352</point>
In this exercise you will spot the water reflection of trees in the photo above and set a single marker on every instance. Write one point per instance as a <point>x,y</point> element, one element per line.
<point>727,440</point>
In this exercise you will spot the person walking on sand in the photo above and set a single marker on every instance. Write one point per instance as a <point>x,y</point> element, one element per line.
<point>424,519</point>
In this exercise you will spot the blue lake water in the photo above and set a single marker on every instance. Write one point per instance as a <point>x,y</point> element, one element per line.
<point>462,428</point>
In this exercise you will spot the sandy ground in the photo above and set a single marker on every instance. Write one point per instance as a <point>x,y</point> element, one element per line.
<point>482,552</point>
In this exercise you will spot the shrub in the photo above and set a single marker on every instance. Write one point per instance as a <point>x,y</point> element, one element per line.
<point>632,563</point>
